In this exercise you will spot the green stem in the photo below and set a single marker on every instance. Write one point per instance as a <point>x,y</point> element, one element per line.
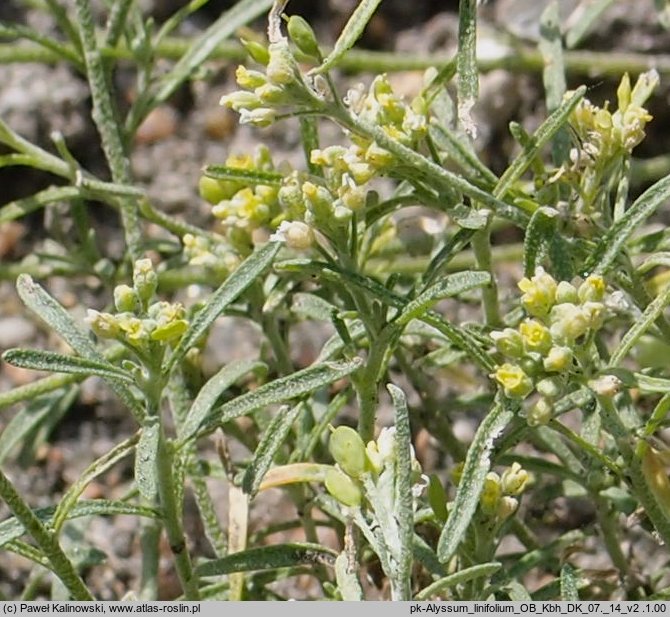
<point>610,532</point>
<point>107,123</point>
<point>481,246</point>
<point>173,524</point>
<point>584,445</point>
<point>149,543</point>
<point>45,539</point>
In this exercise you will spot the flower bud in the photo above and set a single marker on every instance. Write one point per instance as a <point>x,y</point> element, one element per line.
<point>296,234</point>
<point>125,299</point>
<point>592,289</point>
<point>303,36</point>
<point>348,450</point>
<point>375,459</point>
<point>514,380</point>
<point>558,360</point>
<point>506,507</point>
<point>282,69</point>
<point>539,293</point>
<point>595,314</point>
<point>249,79</point>
<point>550,387</point>
<point>145,280</point>
<point>540,413</point>
<point>607,385</point>
<point>508,342</point>
<point>491,494</point>
<point>343,488</point>
<point>457,473</point>
<point>514,480</point>
<point>104,325</point>
<point>568,322</point>
<point>566,292</point>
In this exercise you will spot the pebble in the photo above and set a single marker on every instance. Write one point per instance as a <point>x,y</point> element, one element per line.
<point>15,331</point>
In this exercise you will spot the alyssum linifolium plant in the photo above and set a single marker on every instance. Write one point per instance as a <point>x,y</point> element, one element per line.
<point>585,333</point>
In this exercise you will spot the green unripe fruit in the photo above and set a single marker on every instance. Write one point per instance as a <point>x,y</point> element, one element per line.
<point>348,450</point>
<point>303,36</point>
<point>343,488</point>
<point>126,299</point>
<point>257,51</point>
<point>212,190</point>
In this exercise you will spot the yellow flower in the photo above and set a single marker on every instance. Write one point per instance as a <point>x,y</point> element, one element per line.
<point>514,381</point>
<point>491,494</point>
<point>536,337</point>
<point>539,293</point>
<point>514,480</point>
<point>592,289</point>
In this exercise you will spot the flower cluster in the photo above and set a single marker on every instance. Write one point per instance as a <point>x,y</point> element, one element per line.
<point>604,134</point>
<point>139,322</point>
<point>540,353</point>
<point>498,499</point>
<point>214,256</point>
<point>266,92</point>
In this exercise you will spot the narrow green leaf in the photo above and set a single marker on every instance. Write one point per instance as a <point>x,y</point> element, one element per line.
<point>31,416</point>
<point>545,555</point>
<point>313,307</point>
<point>278,391</point>
<point>663,10</point>
<point>11,529</point>
<point>213,389</point>
<point>54,315</point>
<point>569,580</point>
<point>540,138</point>
<point>16,209</point>
<point>539,234</point>
<point>467,89</point>
<point>245,176</point>
<point>273,438</point>
<point>250,269</point>
<point>477,465</point>
<point>58,319</point>
<point>553,75</point>
<point>651,385</point>
<point>95,469</point>
<point>350,34</point>
<point>347,580</point>
<point>450,285</point>
<point>614,240</point>
<point>458,578</point>
<point>641,325</point>
<point>269,558</point>
<point>202,47</point>
<point>65,52</point>
<point>459,150</point>
<point>146,467</point>
<point>589,16</point>
<point>461,339</point>
<point>404,499</point>
<point>39,360</point>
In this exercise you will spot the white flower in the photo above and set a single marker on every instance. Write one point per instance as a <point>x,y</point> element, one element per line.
<point>296,235</point>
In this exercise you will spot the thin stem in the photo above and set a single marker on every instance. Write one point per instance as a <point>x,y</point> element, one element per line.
<point>173,524</point>
<point>481,245</point>
<point>45,539</point>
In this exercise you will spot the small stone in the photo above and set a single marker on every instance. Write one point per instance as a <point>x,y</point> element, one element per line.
<point>15,331</point>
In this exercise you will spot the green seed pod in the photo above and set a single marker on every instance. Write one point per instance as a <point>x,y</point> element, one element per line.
<point>257,51</point>
<point>348,450</point>
<point>303,36</point>
<point>211,190</point>
<point>343,488</point>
